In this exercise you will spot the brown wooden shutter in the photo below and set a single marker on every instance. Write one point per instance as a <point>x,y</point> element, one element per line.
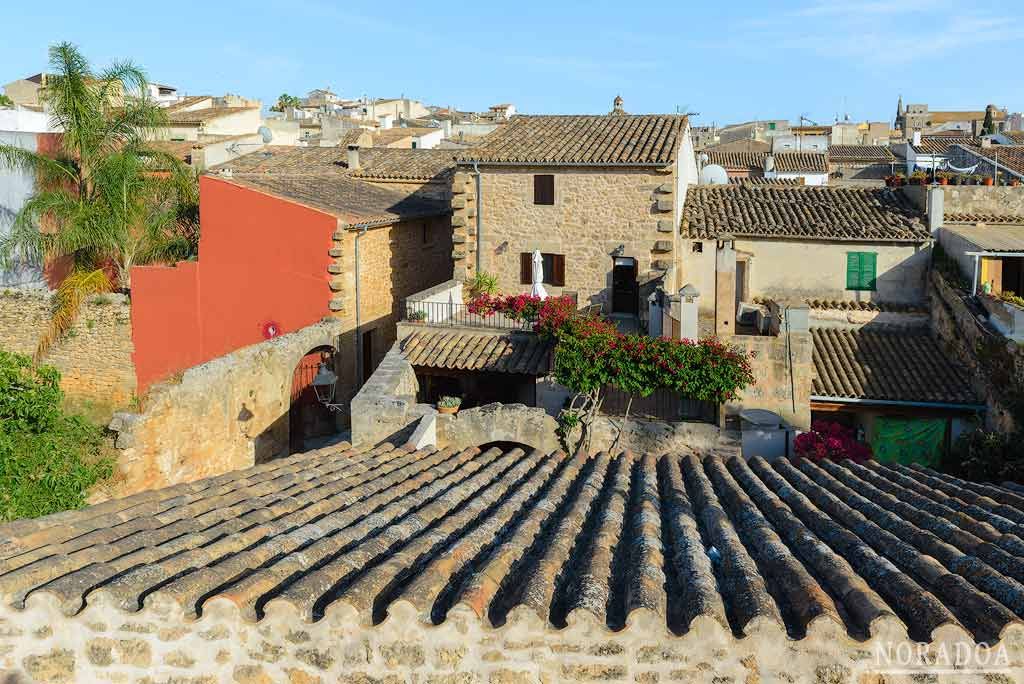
<point>525,268</point>
<point>558,269</point>
<point>544,189</point>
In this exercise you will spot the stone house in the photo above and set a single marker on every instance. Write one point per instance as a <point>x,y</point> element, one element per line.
<point>598,196</point>
<point>498,564</point>
<point>292,235</point>
<point>197,117</point>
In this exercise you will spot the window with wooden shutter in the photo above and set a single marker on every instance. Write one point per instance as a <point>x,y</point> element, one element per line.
<point>860,270</point>
<point>544,189</point>
<point>525,268</point>
<point>557,270</point>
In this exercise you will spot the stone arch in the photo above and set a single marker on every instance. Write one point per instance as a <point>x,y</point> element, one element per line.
<point>523,425</point>
<point>308,417</point>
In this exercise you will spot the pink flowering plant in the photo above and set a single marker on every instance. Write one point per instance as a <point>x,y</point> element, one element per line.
<point>591,355</point>
<point>831,441</point>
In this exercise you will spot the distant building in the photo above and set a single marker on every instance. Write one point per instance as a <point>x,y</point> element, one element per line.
<point>503,111</point>
<point>753,130</point>
<point>917,117</point>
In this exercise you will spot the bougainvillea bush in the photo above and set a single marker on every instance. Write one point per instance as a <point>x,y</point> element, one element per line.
<point>591,355</point>
<point>831,441</point>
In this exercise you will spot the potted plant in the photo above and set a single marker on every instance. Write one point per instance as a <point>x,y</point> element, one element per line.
<point>919,178</point>
<point>943,177</point>
<point>418,316</point>
<point>988,180</point>
<point>448,404</point>
<point>901,179</point>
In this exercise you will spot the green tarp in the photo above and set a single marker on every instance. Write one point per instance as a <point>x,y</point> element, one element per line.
<point>909,440</point>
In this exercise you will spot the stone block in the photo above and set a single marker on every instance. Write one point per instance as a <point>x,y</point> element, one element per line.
<point>335,269</point>
<point>336,284</point>
<point>337,304</point>
<point>663,246</point>
<point>335,252</point>
<point>664,188</point>
<point>661,264</point>
<point>459,238</point>
<point>666,226</point>
<point>458,203</point>
<point>458,221</point>
<point>665,204</point>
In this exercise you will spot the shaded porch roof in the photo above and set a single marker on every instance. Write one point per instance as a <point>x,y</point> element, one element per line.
<point>524,353</point>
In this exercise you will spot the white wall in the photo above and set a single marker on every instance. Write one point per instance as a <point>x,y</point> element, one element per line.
<point>430,140</point>
<point>808,178</point>
<point>16,185</point>
<point>25,121</point>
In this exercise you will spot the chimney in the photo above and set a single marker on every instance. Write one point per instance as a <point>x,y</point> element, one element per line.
<point>725,286</point>
<point>917,138</point>
<point>688,319</point>
<point>986,142</point>
<point>936,208</point>
<point>353,157</point>
<point>769,163</point>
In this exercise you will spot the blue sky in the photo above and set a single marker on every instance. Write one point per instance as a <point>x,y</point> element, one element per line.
<point>730,61</point>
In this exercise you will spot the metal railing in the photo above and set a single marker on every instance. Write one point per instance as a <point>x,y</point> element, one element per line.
<point>457,315</point>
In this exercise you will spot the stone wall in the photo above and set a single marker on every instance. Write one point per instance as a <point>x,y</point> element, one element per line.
<point>783,376</point>
<point>973,199</point>
<point>596,210</point>
<point>963,338</point>
<point>225,414</point>
<point>161,644</point>
<point>95,358</point>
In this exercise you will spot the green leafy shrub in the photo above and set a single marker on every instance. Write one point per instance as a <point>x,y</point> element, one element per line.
<point>482,283</point>
<point>983,456</point>
<point>48,460</point>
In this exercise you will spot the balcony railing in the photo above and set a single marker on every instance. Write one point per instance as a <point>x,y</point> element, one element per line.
<point>457,315</point>
<point>661,405</point>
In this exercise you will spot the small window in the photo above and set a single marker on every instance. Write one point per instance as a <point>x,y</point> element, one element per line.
<point>860,270</point>
<point>698,247</point>
<point>553,265</point>
<point>771,126</point>
<point>544,189</point>
<point>426,233</point>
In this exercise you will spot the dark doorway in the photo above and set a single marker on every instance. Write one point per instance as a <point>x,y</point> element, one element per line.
<point>307,416</point>
<point>368,365</point>
<point>741,283</point>
<point>625,289</point>
<point>1013,275</point>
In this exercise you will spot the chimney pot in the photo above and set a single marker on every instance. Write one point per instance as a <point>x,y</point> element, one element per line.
<point>917,138</point>
<point>353,157</point>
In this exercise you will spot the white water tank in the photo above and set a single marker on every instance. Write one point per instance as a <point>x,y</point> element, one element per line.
<point>764,434</point>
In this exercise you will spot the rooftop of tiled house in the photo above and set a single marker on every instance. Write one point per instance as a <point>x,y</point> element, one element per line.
<point>785,162</point>
<point>808,213</point>
<point>374,163</point>
<point>788,547</point>
<point>860,153</point>
<point>641,139</point>
<point>486,353</point>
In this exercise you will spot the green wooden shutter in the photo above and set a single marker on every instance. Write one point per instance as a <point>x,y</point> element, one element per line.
<point>853,270</point>
<point>860,270</point>
<point>867,270</point>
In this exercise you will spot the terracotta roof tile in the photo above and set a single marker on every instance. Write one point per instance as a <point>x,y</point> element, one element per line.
<point>347,198</point>
<point>860,153</point>
<point>886,366</point>
<point>512,353</point>
<point>1009,156</point>
<point>808,212</point>
<point>868,550</point>
<point>785,162</point>
<point>391,164</point>
<point>940,144</point>
<point>583,139</point>
<point>196,116</point>
<point>374,162</point>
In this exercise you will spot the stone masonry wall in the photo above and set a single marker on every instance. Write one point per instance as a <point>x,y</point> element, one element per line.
<point>161,645</point>
<point>228,413</point>
<point>973,199</point>
<point>95,358</point>
<point>596,210</point>
<point>962,338</point>
<point>774,388</point>
<point>395,262</point>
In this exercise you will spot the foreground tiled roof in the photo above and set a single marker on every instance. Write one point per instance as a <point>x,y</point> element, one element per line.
<point>351,200</point>
<point>860,153</point>
<point>811,213</point>
<point>988,219</point>
<point>513,353</point>
<point>583,139</point>
<point>1015,137</point>
<point>388,164</point>
<point>785,162</point>
<point>886,366</point>
<point>636,542</point>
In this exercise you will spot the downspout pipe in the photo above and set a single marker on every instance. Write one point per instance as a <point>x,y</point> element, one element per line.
<point>361,229</point>
<point>479,218</point>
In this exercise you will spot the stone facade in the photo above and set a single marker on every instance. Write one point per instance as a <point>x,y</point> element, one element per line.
<point>972,199</point>
<point>160,644</point>
<point>222,415</point>
<point>596,210</point>
<point>783,372</point>
<point>396,261</point>
<point>95,358</point>
<point>956,328</point>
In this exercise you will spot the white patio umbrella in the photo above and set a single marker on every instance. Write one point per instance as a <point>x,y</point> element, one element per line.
<point>538,276</point>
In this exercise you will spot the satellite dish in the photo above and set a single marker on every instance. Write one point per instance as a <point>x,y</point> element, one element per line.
<point>265,133</point>
<point>713,174</point>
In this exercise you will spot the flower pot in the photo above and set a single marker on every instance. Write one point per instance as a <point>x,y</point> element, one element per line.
<point>988,181</point>
<point>1014,183</point>
<point>943,181</point>
<point>448,410</point>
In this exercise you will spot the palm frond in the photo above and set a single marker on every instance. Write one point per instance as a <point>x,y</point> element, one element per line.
<point>14,157</point>
<point>67,303</point>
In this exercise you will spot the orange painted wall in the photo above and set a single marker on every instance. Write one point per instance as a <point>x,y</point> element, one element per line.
<point>261,259</point>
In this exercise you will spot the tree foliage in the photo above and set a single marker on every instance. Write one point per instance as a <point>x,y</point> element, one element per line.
<point>988,126</point>
<point>106,199</point>
<point>48,460</point>
<point>284,101</point>
<point>6,101</point>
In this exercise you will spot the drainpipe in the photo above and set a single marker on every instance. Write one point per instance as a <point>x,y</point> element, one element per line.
<point>479,219</point>
<point>362,228</point>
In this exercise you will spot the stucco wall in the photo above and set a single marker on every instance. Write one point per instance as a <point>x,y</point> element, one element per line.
<point>225,414</point>
<point>595,211</point>
<point>95,358</point>
<point>798,270</point>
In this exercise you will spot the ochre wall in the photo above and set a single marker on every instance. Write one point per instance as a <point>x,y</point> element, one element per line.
<point>94,358</point>
<point>261,259</point>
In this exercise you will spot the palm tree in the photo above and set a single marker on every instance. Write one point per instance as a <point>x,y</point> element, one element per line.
<point>105,200</point>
